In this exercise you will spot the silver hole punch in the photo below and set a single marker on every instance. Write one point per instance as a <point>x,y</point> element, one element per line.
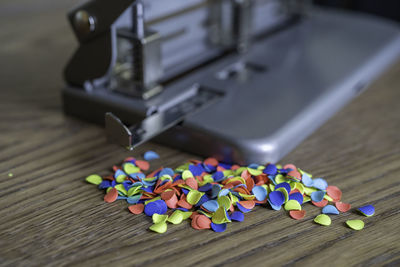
<point>241,80</point>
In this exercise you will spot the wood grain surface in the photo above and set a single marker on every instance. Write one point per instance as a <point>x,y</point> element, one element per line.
<point>50,216</point>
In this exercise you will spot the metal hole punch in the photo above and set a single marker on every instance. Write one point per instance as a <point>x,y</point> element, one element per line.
<point>241,80</point>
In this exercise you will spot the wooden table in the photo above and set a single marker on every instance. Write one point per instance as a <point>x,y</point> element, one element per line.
<point>49,215</point>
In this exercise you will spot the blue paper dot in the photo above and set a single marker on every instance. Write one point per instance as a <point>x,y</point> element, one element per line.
<point>297,196</point>
<point>330,209</point>
<point>237,216</point>
<point>260,192</point>
<point>317,196</point>
<point>225,166</point>
<point>218,227</point>
<point>166,171</point>
<point>196,170</point>
<point>211,205</point>
<point>241,208</point>
<point>209,168</point>
<point>367,210</point>
<point>137,175</point>
<point>150,155</point>
<point>253,166</point>
<point>218,176</point>
<point>284,185</point>
<point>204,198</point>
<point>223,192</point>
<point>275,207</point>
<point>152,208</point>
<point>320,184</point>
<point>215,190</point>
<point>276,198</point>
<point>205,187</point>
<point>133,199</point>
<point>270,169</point>
<point>163,206</point>
<point>105,184</point>
<point>306,180</point>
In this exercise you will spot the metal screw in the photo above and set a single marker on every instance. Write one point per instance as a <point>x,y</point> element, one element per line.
<point>84,23</point>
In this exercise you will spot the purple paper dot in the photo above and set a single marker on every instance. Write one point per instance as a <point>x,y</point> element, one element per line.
<point>237,216</point>
<point>218,227</point>
<point>241,208</point>
<point>297,196</point>
<point>277,198</point>
<point>284,185</point>
<point>367,210</point>
<point>270,169</point>
<point>152,208</point>
<point>205,187</point>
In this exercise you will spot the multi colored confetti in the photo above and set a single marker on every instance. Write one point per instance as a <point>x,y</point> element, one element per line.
<point>213,194</point>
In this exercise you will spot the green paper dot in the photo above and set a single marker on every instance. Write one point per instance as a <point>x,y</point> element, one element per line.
<point>224,201</point>
<point>187,174</point>
<point>254,172</point>
<point>130,168</point>
<point>292,205</point>
<point>355,224</point>
<point>193,197</point>
<point>121,189</point>
<point>176,217</point>
<point>159,227</point>
<point>219,216</point>
<point>158,218</point>
<point>94,179</point>
<point>323,219</point>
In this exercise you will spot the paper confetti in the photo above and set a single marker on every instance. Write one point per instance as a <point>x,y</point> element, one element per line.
<point>150,155</point>
<point>355,224</point>
<point>367,210</point>
<point>212,194</point>
<point>323,219</point>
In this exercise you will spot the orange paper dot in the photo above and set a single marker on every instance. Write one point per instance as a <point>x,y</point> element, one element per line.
<point>249,204</point>
<point>211,161</point>
<point>334,192</point>
<point>111,196</point>
<point>192,183</point>
<point>290,166</point>
<point>320,204</point>
<point>342,207</point>
<point>136,209</point>
<point>297,214</point>
<point>203,222</point>
<point>142,164</point>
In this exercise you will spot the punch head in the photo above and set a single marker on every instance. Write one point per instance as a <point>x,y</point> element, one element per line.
<point>117,132</point>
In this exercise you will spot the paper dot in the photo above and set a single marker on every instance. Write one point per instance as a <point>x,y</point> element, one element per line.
<point>355,224</point>
<point>94,179</point>
<point>323,219</point>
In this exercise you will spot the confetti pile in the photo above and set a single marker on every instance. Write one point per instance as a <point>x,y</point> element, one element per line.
<point>213,194</point>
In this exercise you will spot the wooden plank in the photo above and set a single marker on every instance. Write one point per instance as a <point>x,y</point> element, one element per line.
<point>49,215</point>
